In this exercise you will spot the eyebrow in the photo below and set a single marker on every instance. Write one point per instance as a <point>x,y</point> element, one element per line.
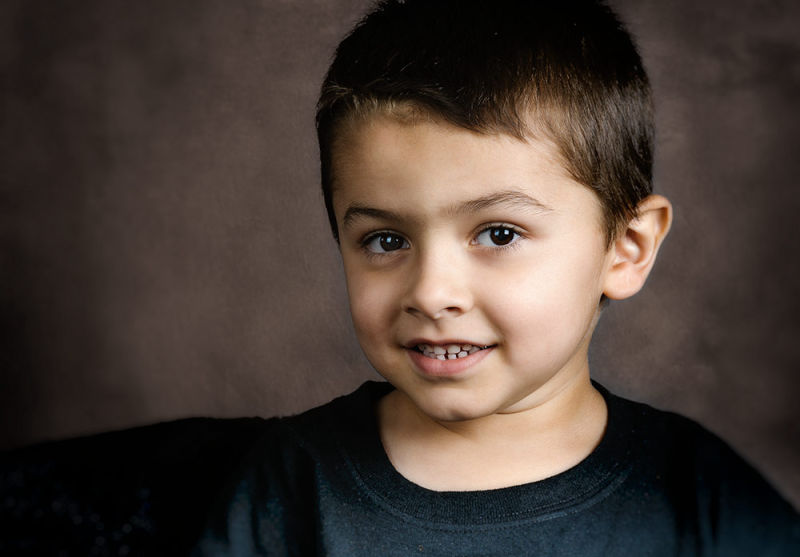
<point>507,198</point>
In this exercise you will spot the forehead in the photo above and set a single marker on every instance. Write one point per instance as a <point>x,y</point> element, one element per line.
<point>425,164</point>
<point>386,132</point>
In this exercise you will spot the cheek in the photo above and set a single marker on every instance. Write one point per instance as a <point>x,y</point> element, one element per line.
<point>371,302</point>
<point>549,305</point>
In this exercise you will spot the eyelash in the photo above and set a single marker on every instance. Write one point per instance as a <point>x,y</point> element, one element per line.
<point>513,244</point>
<point>369,238</point>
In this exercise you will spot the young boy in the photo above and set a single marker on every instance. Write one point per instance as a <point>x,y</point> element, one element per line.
<point>487,172</point>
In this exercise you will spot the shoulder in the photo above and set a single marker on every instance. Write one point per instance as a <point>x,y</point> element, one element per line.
<point>278,485</point>
<point>327,426</point>
<point>678,443</point>
<point>321,442</point>
<point>660,433</point>
<point>706,485</point>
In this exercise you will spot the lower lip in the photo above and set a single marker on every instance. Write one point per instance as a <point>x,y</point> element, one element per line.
<point>433,367</point>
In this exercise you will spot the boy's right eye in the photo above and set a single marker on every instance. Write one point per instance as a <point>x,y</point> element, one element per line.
<point>385,242</point>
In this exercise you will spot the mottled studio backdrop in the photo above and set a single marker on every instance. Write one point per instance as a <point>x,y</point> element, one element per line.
<point>164,250</point>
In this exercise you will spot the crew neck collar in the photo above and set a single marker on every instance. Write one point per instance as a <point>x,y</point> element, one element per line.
<point>580,486</point>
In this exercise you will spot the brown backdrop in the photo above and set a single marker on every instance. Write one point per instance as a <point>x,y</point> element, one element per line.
<point>165,251</point>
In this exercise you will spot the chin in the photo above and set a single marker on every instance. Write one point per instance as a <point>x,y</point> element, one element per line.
<point>450,408</point>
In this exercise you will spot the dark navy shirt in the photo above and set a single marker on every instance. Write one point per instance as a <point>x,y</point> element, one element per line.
<point>657,484</point>
<point>320,484</point>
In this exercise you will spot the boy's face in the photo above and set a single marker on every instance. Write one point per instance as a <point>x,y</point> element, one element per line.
<point>451,238</point>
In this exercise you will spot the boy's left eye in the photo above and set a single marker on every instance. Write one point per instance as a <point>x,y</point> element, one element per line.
<point>497,236</point>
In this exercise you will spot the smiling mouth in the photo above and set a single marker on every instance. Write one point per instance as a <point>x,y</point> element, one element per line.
<point>448,351</point>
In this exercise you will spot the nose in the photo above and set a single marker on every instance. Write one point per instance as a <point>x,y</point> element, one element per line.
<point>438,288</point>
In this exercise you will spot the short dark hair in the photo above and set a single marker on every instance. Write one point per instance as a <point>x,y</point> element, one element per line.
<point>565,71</point>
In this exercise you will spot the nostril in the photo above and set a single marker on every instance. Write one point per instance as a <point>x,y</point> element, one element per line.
<point>436,299</point>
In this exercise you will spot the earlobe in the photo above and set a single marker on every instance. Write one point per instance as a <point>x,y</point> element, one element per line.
<point>634,251</point>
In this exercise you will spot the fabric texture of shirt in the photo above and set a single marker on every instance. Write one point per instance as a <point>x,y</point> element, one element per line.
<point>658,484</point>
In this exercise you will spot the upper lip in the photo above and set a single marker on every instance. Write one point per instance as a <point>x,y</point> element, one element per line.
<point>417,341</point>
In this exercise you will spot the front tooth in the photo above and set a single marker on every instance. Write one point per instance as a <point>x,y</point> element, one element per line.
<point>439,350</point>
<point>452,356</point>
<point>441,357</point>
<point>453,349</point>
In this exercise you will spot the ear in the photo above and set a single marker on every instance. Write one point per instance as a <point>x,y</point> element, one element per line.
<point>634,251</point>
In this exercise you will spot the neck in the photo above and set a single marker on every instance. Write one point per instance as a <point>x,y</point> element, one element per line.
<point>497,450</point>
